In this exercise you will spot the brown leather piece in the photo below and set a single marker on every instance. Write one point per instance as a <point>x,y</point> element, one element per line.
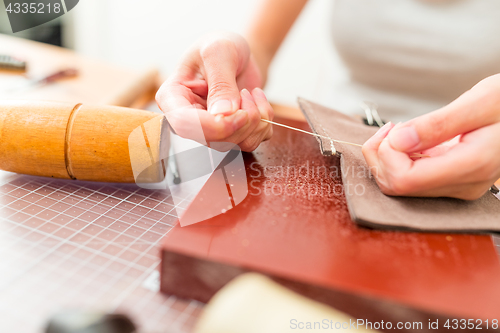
<point>294,230</point>
<point>369,207</point>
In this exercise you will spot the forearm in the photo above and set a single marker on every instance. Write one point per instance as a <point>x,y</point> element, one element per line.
<point>263,59</point>
<point>272,21</point>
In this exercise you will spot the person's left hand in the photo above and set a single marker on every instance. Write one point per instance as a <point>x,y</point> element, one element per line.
<point>214,94</point>
<point>461,139</point>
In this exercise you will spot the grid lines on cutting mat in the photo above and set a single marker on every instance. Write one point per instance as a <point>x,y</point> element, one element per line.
<point>89,245</point>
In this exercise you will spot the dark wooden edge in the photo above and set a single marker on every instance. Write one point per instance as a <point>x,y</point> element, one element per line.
<point>199,279</point>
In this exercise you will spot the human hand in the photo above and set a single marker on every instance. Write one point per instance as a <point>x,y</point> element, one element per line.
<point>463,168</point>
<point>207,98</point>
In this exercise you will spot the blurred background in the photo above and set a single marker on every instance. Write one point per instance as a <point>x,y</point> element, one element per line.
<point>155,33</point>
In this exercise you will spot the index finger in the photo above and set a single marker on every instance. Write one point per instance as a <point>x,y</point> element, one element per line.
<point>371,146</point>
<point>186,115</point>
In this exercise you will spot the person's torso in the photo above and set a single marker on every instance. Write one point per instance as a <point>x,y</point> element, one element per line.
<point>430,50</point>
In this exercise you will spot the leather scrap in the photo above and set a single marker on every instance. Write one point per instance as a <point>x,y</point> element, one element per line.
<point>369,207</point>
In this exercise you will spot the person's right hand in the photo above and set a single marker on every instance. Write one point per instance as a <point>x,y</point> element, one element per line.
<point>208,97</point>
<point>464,167</point>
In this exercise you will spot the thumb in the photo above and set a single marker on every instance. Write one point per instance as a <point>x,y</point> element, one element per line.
<point>470,111</point>
<point>221,64</point>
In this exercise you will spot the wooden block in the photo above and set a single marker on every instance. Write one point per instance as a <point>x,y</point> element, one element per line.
<point>295,227</point>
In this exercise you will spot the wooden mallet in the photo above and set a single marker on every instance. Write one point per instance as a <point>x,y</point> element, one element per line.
<point>77,141</point>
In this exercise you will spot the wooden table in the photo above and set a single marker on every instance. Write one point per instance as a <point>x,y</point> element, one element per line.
<point>97,83</point>
<point>89,246</point>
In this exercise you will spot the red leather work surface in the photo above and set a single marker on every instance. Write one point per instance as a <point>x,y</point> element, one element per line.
<point>295,225</point>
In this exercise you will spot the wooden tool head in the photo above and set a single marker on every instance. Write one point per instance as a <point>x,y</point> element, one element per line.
<point>149,146</point>
<point>74,141</point>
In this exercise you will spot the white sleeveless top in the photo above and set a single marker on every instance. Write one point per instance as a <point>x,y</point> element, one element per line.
<point>413,56</point>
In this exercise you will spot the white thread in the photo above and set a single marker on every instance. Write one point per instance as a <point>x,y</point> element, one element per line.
<point>314,134</point>
<point>415,155</point>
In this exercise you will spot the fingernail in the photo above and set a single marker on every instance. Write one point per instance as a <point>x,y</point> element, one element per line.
<point>218,118</point>
<point>221,106</point>
<point>246,94</point>
<point>260,93</point>
<point>235,105</point>
<point>240,119</point>
<point>404,138</point>
<point>383,130</point>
